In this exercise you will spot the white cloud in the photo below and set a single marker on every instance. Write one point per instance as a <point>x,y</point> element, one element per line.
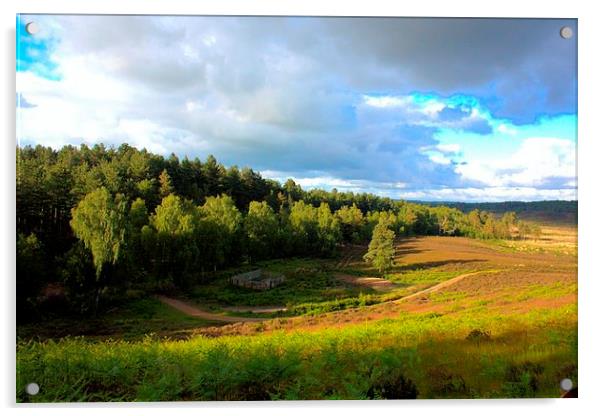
<point>433,112</point>
<point>442,160</point>
<point>540,161</point>
<point>231,87</point>
<point>507,129</point>
<point>386,101</point>
<point>327,182</point>
<point>491,194</point>
<point>448,148</point>
<point>209,40</point>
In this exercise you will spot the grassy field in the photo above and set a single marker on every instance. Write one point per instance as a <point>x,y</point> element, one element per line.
<point>307,281</point>
<point>505,327</point>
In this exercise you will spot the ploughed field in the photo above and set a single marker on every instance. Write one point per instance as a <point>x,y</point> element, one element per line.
<point>456,317</point>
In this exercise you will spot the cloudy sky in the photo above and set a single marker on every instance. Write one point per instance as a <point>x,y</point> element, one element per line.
<point>430,109</point>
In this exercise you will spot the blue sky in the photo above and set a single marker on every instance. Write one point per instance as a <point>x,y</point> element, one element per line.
<point>431,109</point>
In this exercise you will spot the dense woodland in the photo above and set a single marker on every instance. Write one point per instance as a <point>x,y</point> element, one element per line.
<point>100,221</point>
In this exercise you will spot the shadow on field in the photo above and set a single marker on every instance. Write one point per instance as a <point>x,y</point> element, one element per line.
<point>432,264</point>
<point>352,367</point>
<point>408,246</point>
<point>408,250</point>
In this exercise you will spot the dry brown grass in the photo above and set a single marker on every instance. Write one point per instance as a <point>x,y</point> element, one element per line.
<point>558,239</point>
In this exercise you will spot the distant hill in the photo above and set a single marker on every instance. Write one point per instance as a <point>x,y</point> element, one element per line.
<point>553,212</point>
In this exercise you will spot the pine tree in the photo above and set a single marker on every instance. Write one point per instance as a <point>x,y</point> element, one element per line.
<point>165,186</point>
<point>381,251</point>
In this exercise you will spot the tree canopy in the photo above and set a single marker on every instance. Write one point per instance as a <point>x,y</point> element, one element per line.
<point>381,251</point>
<point>99,221</point>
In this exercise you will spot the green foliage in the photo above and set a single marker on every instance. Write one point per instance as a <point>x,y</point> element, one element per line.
<point>175,217</point>
<point>304,226</point>
<point>99,221</point>
<point>352,223</point>
<point>329,230</point>
<point>381,251</point>
<point>261,228</point>
<point>76,272</point>
<point>138,215</point>
<point>307,288</point>
<point>133,317</point>
<point>523,380</point>
<point>171,241</point>
<point>223,222</point>
<point>558,210</point>
<point>214,217</point>
<point>223,212</point>
<point>31,271</point>
<point>421,355</point>
<point>137,219</point>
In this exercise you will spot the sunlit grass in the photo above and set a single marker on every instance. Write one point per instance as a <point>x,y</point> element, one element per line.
<point>478,341</point>
<point>430,349</point>
<point>422,276</point>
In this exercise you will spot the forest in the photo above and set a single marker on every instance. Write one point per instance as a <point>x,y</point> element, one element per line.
<point>100,221</point>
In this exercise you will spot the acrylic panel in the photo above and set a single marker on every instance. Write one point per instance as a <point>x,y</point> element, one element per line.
<point>223,208</point>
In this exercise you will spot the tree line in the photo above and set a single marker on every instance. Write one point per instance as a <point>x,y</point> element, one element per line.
<point>553,210</point>
<point>104,220</point>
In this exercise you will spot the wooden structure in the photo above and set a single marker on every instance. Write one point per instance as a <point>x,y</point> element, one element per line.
<point>257,279</point>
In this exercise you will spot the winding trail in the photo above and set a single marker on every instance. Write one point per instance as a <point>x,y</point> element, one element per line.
<point>192,310</point>
<point>442,285</point>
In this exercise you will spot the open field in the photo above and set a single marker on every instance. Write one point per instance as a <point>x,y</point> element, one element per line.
<point>556,239</point>
<point>456,317</point>
<point>495,279</point>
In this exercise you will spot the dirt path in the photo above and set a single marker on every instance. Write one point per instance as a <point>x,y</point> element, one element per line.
<point>442,285</point>
<point>341,318</point>
<point>192,310</point>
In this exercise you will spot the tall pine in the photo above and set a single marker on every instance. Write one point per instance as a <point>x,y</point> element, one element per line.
<point>381,251</point>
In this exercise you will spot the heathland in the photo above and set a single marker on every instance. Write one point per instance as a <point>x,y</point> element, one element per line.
<point>124,260</point>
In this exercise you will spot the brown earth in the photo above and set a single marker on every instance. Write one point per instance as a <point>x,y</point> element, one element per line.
<point>192,310</point>
<point>422,293</point>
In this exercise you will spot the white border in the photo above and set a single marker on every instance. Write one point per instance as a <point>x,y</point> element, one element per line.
<point>589,175</point>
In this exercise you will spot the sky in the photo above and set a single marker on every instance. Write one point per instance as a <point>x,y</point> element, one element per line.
<point>409,108</point>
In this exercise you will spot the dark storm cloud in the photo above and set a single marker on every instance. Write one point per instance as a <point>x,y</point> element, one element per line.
<point>288,94</point>
<point>521,67</point>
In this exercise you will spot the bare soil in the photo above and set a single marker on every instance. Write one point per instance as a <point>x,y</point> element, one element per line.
<point>192,310</point>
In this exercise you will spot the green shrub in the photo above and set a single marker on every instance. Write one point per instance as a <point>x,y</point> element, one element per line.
<point>523,380</point>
